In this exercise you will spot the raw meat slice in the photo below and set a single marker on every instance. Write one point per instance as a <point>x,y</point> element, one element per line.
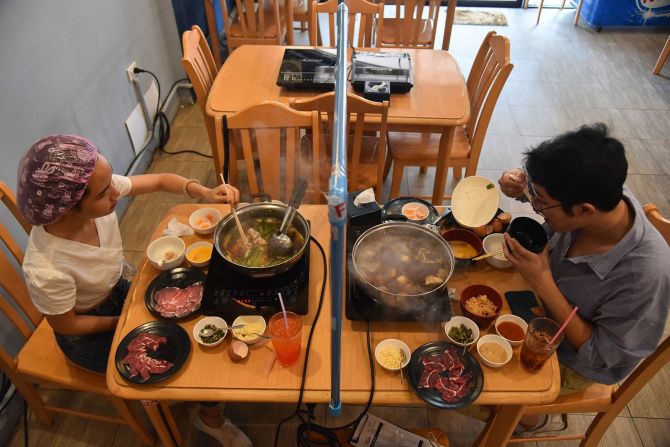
<point>138,359</point>
<point>173,302</point>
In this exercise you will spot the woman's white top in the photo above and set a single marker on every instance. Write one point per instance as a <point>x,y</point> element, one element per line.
<point>62,274</point>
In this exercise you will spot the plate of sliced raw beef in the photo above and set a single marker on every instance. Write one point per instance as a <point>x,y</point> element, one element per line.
<point>152,352</point>
<point>444,375</point>
<point>175,293</point>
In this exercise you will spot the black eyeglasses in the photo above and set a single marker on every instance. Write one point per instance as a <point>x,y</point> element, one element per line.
<point>533,195</point>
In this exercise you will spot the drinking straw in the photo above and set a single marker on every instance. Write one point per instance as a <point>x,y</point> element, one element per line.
<point>232,208</point>
<point>283,309</point>
<point>562,328</point>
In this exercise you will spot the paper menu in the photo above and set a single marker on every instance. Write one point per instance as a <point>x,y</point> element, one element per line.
<point>375,432</point>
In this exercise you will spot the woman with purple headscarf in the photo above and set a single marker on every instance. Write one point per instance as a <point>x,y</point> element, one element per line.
<point>74,260</point>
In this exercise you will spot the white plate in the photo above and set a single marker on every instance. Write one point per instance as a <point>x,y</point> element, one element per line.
<point>474,202</point>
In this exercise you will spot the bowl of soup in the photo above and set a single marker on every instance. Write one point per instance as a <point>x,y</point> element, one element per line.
<point>464,244</point>
<point>251,256</point>
<point>511,328</point>
<point>529,233</point>
<point>494,350</point>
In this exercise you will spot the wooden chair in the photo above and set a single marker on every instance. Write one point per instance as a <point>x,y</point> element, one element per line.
<point>408,29</point>
<point>662,57</point>
<point>201,71</point>
<point>9,199</point>
<point>365,169</point>
<point>256,22</point>
<point>541,4</point>
<point>362,16</point>
<point>661,223</point>
<point>271,135</point>
<point>486,80</point>
<point>302,12</point>
<point>40,361</point>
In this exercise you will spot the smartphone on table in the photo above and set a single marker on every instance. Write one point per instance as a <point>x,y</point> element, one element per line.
<point>524,304</point>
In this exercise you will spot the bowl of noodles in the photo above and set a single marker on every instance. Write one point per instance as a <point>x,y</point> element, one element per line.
<point>481,303</point>
<point>259,222</point>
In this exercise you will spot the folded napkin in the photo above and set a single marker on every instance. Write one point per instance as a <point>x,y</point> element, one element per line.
<point>175,228</point>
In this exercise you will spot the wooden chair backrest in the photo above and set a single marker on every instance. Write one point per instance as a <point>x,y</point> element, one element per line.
<point>357,109</point>
<point>410,14</point>
<point>210,14</point>
<point>9,199</point>
<point>661,223</point>
<point>254,21</point>
<point>267,131</point>
<point>364,11</point>
<point>487,78</point>
<point>200,68</point>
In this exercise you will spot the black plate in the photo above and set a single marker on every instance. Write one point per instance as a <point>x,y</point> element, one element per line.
<point>181,277</point>
<point>175,351</point>
<point>415,369</point>
<point>392,210</point>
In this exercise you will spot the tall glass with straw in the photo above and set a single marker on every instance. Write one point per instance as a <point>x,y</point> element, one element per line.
<point>286,334</point>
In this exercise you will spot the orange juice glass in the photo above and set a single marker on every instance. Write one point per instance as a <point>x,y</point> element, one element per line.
<point>286,342</point>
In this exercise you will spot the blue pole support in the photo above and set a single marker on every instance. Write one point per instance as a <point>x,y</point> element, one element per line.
<point>337,209</point>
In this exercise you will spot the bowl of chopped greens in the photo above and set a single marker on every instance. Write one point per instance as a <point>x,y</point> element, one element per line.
<point>461,331</point>
<point>210,331</point>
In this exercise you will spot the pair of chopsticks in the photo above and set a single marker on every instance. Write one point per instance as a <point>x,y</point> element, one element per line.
<point>488,255</point>
<point>234,211</point>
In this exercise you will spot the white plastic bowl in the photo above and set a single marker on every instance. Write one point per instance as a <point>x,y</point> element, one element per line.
<point>457,321</point>
<point>160,249</point>
<point>516,320</point>
<point>216,321</point>
<point>497,339</point>
<point>249,319</point>
<point>395,343</point>
<point>492,243</point>
<point>198,245</point>
<point>200,216</point>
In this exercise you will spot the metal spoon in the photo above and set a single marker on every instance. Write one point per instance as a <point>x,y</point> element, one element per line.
<point>206,332</point>
<point>280,244</point>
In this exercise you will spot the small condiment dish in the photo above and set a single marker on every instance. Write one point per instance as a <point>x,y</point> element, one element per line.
<point>496,339</point>
<point>512,319</point>
<point>456,321</point>
<point>166,253</point>
<point>196,251</point>
<point>204,220</point>
<point>216,321</point>
<point>393,343</point>
<point>248,321</point>
<point>493,243</point>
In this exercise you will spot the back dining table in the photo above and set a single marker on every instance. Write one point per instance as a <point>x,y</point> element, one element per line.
<point>208,373</point>
<point>437,103</point>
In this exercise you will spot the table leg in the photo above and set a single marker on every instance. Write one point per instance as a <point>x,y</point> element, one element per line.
<point>151,407</point>
<point>444,153</point>
<point>498,431</point>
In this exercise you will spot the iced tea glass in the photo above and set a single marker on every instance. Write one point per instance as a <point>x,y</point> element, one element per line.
<point>286,342</point>
<point>536,348</point>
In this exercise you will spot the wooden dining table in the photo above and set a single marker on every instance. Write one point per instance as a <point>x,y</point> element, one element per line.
<point>210,375</point>
<point>437,103</point>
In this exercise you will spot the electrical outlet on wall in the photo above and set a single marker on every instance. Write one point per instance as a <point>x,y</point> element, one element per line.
<point>130,71</point>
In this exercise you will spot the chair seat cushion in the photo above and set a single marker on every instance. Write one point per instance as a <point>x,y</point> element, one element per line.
<point>393,32</point>
<point>41,360</point>
<point>407,146</point>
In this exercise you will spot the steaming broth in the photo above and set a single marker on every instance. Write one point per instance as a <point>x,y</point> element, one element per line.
<point>256,254</point>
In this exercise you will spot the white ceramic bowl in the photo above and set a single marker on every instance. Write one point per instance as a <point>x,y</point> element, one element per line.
<point>216,321</point>
<point>166,252</point>
<point>249,319</point>
<point>199,220</point>
<point>198,245</point>
<point>497,339</point>
<point>394,343</point>
<point>457,321</point>
<point>516,320</point>
<point>493,242</point>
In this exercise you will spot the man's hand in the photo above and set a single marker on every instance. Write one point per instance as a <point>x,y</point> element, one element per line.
<point>512,183</point>
<point>533,267</point>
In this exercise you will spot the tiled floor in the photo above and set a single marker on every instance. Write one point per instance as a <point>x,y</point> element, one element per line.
<point>564,76</point>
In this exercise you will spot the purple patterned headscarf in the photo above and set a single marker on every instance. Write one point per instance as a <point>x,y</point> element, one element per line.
<point>53,175</point>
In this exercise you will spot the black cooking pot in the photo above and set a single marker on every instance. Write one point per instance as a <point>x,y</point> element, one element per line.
<point>376,246</point>
<point>248,214</point>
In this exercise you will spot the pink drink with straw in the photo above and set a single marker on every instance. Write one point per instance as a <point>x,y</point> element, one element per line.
<point>540,343</point>
<point>286,336</point>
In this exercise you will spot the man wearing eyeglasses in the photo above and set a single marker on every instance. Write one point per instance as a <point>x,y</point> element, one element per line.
<point>603,256</point>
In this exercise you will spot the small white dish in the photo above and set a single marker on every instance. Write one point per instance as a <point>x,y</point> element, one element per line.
<point>492,243</point>
<point>415,211</point>
<point>198,245</point>
<point>204,220</point>
<point>216,321</point>
<point>456,321</point>
<point>166,252</point>
<point>498,340</point>
<point>393,343</point>
<point>513,319</point>
<point>475,201</point>
<point>248,321</point>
